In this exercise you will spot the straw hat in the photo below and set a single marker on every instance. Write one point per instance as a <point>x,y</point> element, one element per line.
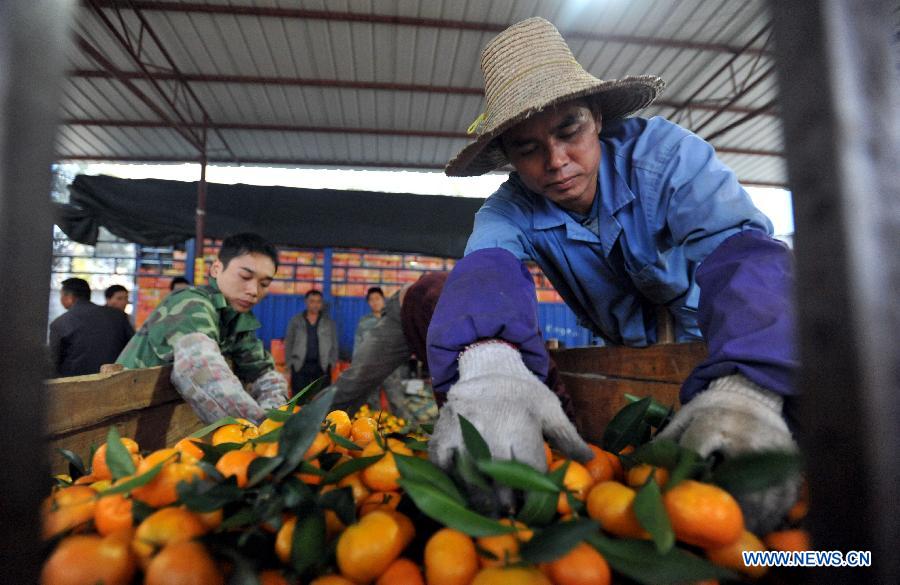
<point>528,67</point>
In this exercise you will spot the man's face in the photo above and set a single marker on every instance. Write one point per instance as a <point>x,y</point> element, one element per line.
<point>376,302</point>
<point>119,300</point>
<point>314,304</point>
<point>66,300</point>
<point>557,154</point>
<point>245,281</point>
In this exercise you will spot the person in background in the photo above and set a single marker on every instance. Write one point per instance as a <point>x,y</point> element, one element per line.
<point>623,214</point>
<point>116,297</point>
<point>311,343</point>
<point>87,335</point>
<point>375,300</point>
<point>178,283</point>
<point>196,329</point>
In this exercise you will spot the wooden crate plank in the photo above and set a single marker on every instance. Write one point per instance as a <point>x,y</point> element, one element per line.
<point>662,362</point>
<point>597,399</point>
<point>82,401</point>
<point>155,427</point>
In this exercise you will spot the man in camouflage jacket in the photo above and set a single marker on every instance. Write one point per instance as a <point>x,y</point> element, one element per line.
<point>197,329</point>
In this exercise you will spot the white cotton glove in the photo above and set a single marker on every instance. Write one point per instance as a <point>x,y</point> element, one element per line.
<point>204,380</point>
<point>510,407</point>
<point>270,390</point>
<point>735,416</point>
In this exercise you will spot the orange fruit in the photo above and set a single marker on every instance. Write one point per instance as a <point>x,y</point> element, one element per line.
<point>577,481</point>
<point>67,509</point>
<point>331,580</point>
<point>100,470</point>
<point>616,464</point>
<point>162,490</point>
<point>703,514</point>
<point>509,576</point>
<point>730,557</point>
<point>355,483</point>
<point>450,558</point>
<point>401,572</point>
<point>88,558</point>
<point>582,565</point>
<point>266,448</point>
<point>601,467</point>
<point>637,475</point>
<point>383,474</point>
<point>113,514</point>
<point>333,524</point>
<point>320,445</point>
<point>548,453</point>
<point>796,539</point>
<point>340,420</point>
<point>505,547</point>
<point>284,539</point>
<point>183,563</point>
<point>211,520</point>
<point>310,478</point>
<point>612,504</point>
<point>164,527</point>
<point>272,577</point>
<point>378,500</point>
<point>236,463</point>
<point>190,452</point>
<point>362,431</point>
<point>241,432</point>
<point>366,549</point>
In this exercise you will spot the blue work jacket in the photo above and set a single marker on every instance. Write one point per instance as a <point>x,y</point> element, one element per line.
<point>664,203</point>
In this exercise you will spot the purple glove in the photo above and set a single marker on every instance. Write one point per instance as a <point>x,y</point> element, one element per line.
<point>488,295</point>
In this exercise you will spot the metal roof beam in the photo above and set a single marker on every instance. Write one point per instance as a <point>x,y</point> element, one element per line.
<point>348,84</point>
<point>334,16</point>
<point>341,130</point>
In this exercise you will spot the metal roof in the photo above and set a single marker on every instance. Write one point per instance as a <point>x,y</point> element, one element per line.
<point>378,83</point>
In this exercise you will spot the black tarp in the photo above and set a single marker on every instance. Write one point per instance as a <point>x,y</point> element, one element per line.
<point>155,212</point>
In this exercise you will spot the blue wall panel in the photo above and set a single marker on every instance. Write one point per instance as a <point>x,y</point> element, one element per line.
<point>557,321</point>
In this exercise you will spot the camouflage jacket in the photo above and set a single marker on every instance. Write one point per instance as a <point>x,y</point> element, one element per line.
<point>201,309</point>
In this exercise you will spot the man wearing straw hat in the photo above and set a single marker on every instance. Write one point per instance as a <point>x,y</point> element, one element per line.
<point>623,215</point>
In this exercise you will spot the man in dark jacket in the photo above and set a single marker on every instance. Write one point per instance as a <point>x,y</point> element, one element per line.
<point>311,343</point>
<point>87,335</point>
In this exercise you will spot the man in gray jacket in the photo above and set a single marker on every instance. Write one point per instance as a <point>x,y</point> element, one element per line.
<point>310,343</point>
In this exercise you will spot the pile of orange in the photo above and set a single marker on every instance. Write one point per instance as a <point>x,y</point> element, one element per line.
<point>99,540</point>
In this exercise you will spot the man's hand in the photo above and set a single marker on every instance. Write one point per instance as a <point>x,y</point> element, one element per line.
<point>508,405</point>
<point>734,416</point>
<point>269,390</point>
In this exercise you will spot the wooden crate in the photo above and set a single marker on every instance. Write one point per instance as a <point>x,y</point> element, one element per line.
<point>598,378</point>
<point>142,404</point>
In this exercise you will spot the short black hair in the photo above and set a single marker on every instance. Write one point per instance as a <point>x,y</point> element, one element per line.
<point>246,243</point>
<point>116,288</point>
<point>311,292</point>
<point>77,287</point>
<point>372,290</point>
<point>180,280</point>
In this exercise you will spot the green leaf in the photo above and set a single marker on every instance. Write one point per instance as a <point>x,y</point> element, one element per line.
<point>650,512</point>
<point>468,471</point>
<point>659,452</point>
<point>516,474</point>
<point>475,443</point>
<point>440,507</point>
<point>208,496</point>
<point>688,464</point>
<point>271,437</point>
<point>657,414</point>
<point>135,482</point>
<point>640,561</point>
<point>557,540</point>
<point>416,445</point>
<point>300,430</point>
<point>627,427</point>
<point>308,545</point>
<point>76,465</point>
<point>344,442</point>
<point>539,508</point>
<point>260,469</point>
<point>227,420</point>
<point>345,469</point>
<point>423,471</point>
<point>118,459</point>
<point>341,501</point>
<point>427,428</point>
<point>294,492</point>
<point>243,517</point>
<point>280,415</point>
<point>756,471</point>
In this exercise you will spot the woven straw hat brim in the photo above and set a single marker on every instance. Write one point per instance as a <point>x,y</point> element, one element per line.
<point>616,98</point>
